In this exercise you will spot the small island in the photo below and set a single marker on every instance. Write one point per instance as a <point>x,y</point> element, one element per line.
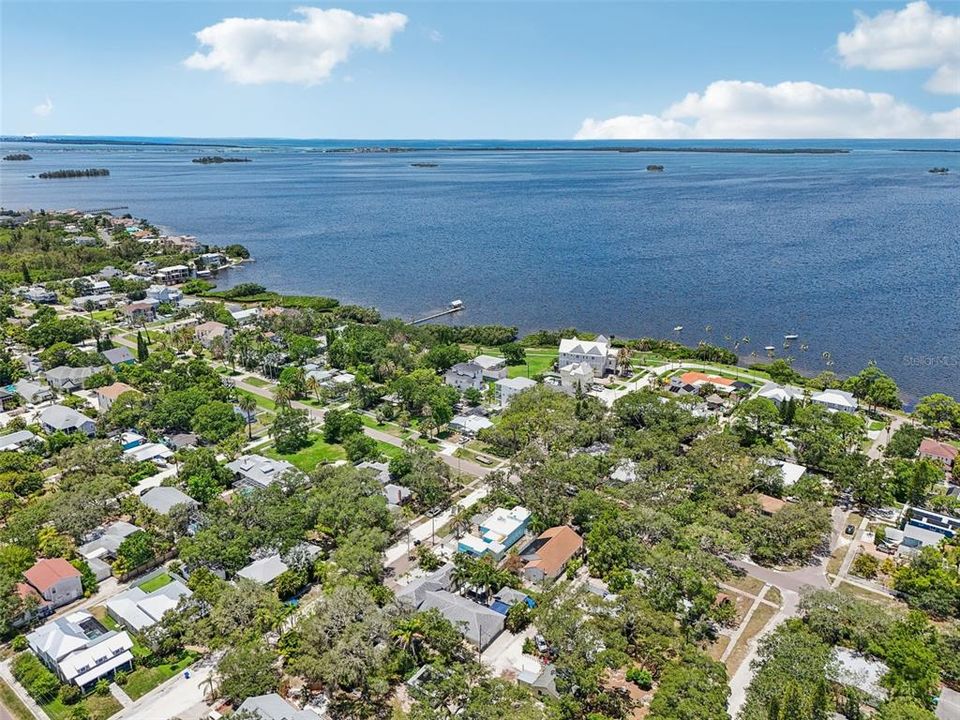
<point>89,172</point>
<point>939,170</point>
<point>18,156</point>
<point>217,159</point>
<point>424,164</point>
<point>654,168</point>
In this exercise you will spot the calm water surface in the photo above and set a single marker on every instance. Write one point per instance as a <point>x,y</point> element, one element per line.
<point>858,253</point>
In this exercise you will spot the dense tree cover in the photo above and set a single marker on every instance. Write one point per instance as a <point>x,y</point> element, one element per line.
<point>939,412</point>
<point>874,387</point>
<point>931,581</point>
<point>692,689</point>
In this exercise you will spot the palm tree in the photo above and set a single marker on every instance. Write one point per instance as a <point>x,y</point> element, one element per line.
<point>248,405</point>
<point>209,687</point>
<point>623,361</point>
<point>283,395</point>
<point>312,384</point>
<point>408,634</point>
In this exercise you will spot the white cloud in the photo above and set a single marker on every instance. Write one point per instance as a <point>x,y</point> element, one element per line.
<point>44,108</point>
<point>435,36</point>
<point>736,109</point>
<point>254,51</point>
<point>915,37</point>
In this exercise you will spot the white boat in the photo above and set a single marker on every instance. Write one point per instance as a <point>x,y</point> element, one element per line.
<point>678,328</point>
<point>770,348</point>
<point>790,337</point>
<point>456,304</point>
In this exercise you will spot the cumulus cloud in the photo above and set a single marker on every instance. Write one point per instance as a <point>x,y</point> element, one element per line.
<point>254,51</point>
<point>736,109</point>
<point>44,108</point>
<point>912,38</point>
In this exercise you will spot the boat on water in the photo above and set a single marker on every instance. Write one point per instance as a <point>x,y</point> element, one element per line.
<point>770,348</point>
<point>456,304</point>
<point>424,165</point>
<point>790,337</point>
<point>678,328</point>
<point>654,168</point>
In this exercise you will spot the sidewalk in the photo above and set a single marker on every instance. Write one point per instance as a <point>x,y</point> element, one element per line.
<point>7,676</point>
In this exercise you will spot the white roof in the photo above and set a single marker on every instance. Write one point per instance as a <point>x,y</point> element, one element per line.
<point>258,469</point>
<point>118,660</point>
<point>503,522</point>
<point>149,451</point>
<point>471,423</point>
<point>173,268</point>
<point>584,347</point>
<point>791,472</point>
<point>835,397</point>
<point>860,672</point>
<point>488,361</point>
<point>265,570</point>
<point>15,439</point>
<point>517,383</point>
<point>780,393</point>
<point>63,418</point>
<point>578,369</point>
<point>162,499</point>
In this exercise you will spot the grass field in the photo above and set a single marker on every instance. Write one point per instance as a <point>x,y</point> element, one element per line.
<point>314,454</point>
<point>256,382</point>
<point>156,583</point>
<point>100,707</point>
<point>144,679</point>
<point>538,360</point>
<point>261,401</point>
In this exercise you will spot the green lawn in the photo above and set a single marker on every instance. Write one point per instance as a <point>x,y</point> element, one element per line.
<point>256,382</point>
<point>390,428</point>
<point>264,402</point>
<point>389,451</point>
<point>312,455</point>
<point>103,316</point>
<point>538,360</point>
<point>100,707</point>
<point>156,583</point>
<point>144,679</point>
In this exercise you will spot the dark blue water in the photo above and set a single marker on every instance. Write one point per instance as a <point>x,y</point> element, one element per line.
<point>858,253</point>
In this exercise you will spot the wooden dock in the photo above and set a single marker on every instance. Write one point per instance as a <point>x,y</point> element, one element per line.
<point>449,311</point>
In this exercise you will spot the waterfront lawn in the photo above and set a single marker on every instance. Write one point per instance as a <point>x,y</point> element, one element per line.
<point>144,679</point>
<point>538,360</point>
<point>256,382</point>
<point>156,583</point>
<point>317,452</point>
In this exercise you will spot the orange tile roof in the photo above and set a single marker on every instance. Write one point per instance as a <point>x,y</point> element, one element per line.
<point>689,378</point>
<point>562,543</point>
<point>48,572</point>
<point>114,391</point>
<point>929,446</point>
<point>771,504</point>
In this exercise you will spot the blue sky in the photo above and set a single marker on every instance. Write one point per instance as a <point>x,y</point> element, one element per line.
<point>481,70</point>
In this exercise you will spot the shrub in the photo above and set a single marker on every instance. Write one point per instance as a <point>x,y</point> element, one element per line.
<point>866,565</point>
<point>19,643</point>
<point>102,687</point>
<point>640,677</point>
<point>120,677</point>
<point>69,694</point>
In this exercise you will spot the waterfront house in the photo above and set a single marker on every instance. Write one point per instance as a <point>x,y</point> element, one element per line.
<point>212,260</point>
<point>58,418</point>
<point>494,368</point>
<point>508,388</point>
<point>547,555</point>
<point>173,275</point>
<point>256,471</point>
<point>119,356</point>
<point>941,452</point>
<point>779,394</point>
<point>836,400</point>
<point>464,375</point>
<point>247,316</point>
<point>79,650</point>
<point>164,294</point>
<point>55,580</point>
<point>137,610</point>
<point>497,533</point>
<point>596,353</point>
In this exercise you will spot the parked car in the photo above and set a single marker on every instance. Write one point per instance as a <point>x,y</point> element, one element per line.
<point>850,530</point>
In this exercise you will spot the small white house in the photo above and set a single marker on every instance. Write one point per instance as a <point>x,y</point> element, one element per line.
<point>463,376</point>
<point>836,400</point>
<point>494,368</point>
<point>508,388</point>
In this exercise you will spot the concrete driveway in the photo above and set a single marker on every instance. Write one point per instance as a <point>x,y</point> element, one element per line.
<point>949,706</point>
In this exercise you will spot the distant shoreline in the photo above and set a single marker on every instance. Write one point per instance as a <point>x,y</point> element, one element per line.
<point>373,149</point>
